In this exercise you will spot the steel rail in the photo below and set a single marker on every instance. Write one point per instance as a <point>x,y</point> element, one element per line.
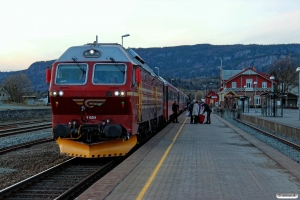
<point>14,124</point>
<point>61,181</point>
<point>26,144</point>
<point>14,131</point>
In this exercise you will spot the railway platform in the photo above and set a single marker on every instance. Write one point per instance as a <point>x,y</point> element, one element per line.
<point>287,125</point>
<point>290,117</point>
<point>201,161</point>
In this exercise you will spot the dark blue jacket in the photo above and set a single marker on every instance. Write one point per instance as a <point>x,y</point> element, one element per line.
<point>206,108</point>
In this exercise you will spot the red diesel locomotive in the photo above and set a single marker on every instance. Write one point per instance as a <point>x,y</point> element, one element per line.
<point>105,99</point>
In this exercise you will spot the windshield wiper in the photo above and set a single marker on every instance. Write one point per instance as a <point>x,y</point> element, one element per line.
<point>80,67</point>
<point>118,66</point>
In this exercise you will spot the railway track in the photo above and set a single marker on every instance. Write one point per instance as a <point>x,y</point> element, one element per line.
<point>17,124</point>
<point>14,131</point>
<point>26,144</point>
<point>295,146</point>
<point>63,181</point>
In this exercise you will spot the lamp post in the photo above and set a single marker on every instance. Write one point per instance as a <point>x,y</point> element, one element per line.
<point>273,94</point>
<point>124,36</point>
<point>298,70</point>
<point>245,86</point>
<point>172,81</point>
<point>206,85</point>
<point>255,84</point>
<point>272,78</point>
<point>157,70</point>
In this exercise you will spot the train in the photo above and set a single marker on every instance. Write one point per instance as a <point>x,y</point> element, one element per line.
<point>105,100</point>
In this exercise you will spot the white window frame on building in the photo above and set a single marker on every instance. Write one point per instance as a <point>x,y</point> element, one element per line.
<point>249,83</point>
<point>233,84</point>
<point>257,100</point>
<point>264,84</point>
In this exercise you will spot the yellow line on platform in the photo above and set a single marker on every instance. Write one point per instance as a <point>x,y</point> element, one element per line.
<point>144,190</point>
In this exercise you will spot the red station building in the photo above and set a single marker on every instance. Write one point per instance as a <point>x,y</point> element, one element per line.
<point>247,82</point>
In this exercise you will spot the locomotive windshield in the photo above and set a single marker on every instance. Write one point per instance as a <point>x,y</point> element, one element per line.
<point>71,74</point>
<point>109,74</point>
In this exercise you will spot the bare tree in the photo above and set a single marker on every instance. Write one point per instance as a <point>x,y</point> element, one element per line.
<point>17,86</point>
<point>284,71</point>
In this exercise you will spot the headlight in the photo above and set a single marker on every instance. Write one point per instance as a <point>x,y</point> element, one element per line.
<point>54,93</point>
<point>60,93</point>
<point>122,93</point>
<point>117,93</point>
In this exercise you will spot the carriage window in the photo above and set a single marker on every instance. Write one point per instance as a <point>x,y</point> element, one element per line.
<point>71,74</point>
<point>109,74</point>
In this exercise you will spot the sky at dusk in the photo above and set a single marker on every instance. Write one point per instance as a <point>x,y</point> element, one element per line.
<point>40,30</point>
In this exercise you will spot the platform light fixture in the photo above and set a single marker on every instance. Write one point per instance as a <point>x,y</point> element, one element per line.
<point>157,70</point>
<point>274,110</point>
<point>255,84</point>
<point>172,80</point>
<point>206,85</point>
<point>124,36</point>
<point>272,78</point>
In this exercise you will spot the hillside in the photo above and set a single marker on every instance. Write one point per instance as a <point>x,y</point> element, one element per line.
<point>188,62</point>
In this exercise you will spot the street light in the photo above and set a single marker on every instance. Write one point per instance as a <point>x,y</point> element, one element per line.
<point>206,88</point>
<point>255,84</point>
<point>172,81</point>
<point>272,78</point>
<point>157,70</point>
<point>124,36</point>
<point>245,89</point>
<point>298,70</point>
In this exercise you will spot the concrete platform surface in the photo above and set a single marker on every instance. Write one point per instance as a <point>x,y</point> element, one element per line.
<point>200,161</point>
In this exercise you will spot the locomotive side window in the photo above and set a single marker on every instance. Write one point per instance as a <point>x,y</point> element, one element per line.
<point>109,74</point>
<point>71,74</point>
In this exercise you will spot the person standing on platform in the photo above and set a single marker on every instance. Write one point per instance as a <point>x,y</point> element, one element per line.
<point>195,112</point>
<point>206,109</point>
<point>200,107</point>
<point>175,108</point>
<point>190,108</point>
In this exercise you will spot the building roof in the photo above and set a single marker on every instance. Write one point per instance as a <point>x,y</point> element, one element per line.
<point>3,89</point>
<point>227,74</point>
<point>231,94</point>
<point>248,71</point>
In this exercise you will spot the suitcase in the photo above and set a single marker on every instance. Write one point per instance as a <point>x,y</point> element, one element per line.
<point>201,118</point>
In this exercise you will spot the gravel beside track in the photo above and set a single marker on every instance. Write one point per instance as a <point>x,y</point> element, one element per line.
<point>24,137</point>
<point>18,165</point>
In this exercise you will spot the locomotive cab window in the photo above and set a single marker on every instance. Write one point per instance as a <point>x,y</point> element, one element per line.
<point>109,74</point>
<point>71,74</point>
